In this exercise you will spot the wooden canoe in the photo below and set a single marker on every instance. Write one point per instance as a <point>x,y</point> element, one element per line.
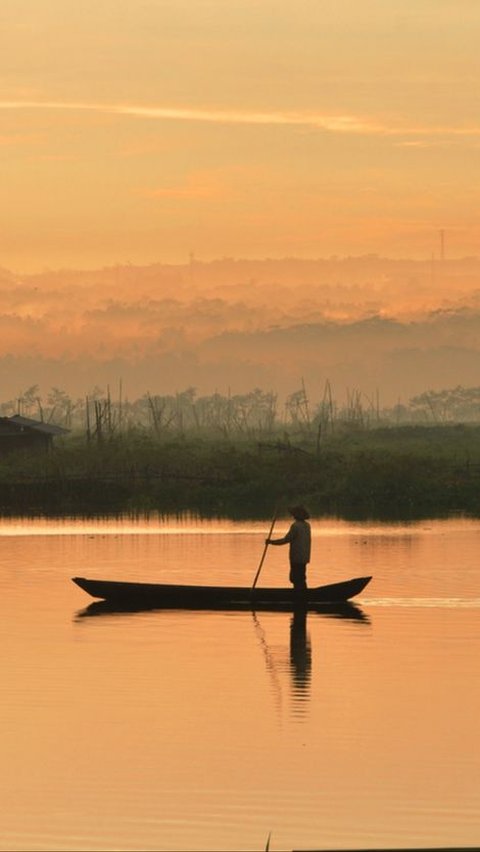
<point>160,595</point>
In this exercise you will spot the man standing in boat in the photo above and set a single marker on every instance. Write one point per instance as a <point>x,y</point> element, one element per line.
<point>299,539</point>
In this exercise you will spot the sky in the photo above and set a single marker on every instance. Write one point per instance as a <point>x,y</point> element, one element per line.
<point>142,131</point>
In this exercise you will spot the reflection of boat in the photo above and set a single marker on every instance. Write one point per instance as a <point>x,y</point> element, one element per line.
<point>344,609</point>
<point>160,595</point>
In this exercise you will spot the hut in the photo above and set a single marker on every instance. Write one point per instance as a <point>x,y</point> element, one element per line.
<point>22,433</point>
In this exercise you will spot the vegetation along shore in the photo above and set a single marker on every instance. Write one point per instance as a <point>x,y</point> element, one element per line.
<point>357,466</point>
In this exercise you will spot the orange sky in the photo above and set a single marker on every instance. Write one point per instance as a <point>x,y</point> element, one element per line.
<point>143,131</point>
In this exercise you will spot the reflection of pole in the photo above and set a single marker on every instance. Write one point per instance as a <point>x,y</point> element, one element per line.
<point>269,661</point>
<point>300,663</point>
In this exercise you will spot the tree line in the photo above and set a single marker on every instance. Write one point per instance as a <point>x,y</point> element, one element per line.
<point>102,413</point>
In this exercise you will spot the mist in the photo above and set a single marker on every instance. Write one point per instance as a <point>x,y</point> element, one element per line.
<point>380,326</point>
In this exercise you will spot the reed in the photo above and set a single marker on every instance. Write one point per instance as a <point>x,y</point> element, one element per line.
<point>383,472</point>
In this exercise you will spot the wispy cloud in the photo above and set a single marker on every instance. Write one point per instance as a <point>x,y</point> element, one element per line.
<point>16,139</point>
<point>432,141</point>
<point>195,186</point>
<point>339,123</point>
<point>334,123</point>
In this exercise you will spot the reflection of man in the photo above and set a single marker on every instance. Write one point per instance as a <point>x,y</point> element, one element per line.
<point>299,539</point>
<point>300,650</point>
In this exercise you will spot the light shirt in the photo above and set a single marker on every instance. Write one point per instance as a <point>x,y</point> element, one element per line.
<point>299,539</point>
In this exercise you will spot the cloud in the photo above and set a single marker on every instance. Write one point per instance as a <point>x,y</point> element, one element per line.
<point>16,139</point>
<point>195,186</point>
<point>333,123</point>
<point>424,143</point>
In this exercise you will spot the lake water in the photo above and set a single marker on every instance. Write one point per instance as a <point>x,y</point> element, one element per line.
<point>183,730</point>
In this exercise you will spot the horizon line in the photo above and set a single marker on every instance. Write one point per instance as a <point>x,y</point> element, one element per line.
<point>192,260</point>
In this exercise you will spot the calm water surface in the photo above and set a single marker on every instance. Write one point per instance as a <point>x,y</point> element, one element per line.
<point>209,731</point>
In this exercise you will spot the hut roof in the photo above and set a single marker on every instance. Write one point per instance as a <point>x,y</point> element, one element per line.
<point>21,424</point>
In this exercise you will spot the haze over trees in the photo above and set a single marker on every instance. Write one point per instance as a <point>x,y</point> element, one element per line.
<point>392,328</point>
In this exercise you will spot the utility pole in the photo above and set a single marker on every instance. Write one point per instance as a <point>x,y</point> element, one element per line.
<point>191,267</point>
<point>442,245</point>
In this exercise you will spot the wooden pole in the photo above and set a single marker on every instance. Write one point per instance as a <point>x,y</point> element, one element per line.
<point>265,550</point>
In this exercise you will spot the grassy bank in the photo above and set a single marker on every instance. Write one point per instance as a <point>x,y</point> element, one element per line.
<point>404,472</point>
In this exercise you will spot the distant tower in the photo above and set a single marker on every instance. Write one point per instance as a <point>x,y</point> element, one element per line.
<point>442,245</point>
<point>191,266</point>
